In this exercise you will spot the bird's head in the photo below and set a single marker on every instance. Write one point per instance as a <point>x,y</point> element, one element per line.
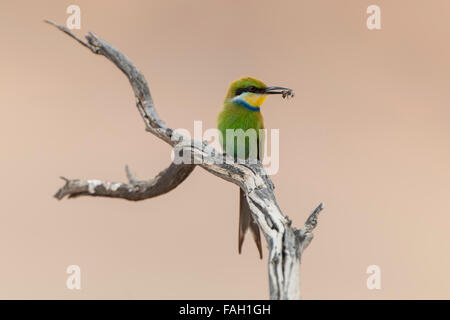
<point>251,92</point>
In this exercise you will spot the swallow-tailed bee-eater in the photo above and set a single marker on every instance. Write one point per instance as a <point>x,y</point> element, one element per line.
<point>241,110</point>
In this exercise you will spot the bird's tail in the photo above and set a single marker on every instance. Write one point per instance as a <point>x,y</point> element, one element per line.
<point>246,221</point>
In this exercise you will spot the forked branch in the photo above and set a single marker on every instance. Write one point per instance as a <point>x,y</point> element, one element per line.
<point>285,243</point>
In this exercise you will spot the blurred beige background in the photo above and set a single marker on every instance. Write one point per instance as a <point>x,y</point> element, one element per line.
<point>367,134</point>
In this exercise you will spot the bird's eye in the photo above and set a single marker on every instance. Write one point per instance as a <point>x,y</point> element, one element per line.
<point>247,89</point>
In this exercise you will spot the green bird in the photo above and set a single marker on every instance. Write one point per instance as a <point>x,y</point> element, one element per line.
<point>241,110</point>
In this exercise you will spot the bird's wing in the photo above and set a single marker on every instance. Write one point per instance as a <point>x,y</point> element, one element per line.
<point>261,141</point>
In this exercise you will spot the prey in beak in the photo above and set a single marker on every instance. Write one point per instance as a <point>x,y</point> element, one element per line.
<point>285,92</point>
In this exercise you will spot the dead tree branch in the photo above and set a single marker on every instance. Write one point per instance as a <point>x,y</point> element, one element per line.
<point>286,243</point>
<point>165,181</point>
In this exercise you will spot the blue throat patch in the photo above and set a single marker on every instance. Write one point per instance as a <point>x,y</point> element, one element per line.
<point>246,105</point>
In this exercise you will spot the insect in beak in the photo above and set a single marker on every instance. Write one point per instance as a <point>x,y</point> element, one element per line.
<point>285,92</point>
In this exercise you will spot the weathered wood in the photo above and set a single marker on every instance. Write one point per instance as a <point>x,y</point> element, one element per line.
<point>135,190</point>
<point>285,243</point>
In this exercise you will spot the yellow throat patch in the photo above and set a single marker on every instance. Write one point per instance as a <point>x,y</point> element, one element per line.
<point>254,99</point>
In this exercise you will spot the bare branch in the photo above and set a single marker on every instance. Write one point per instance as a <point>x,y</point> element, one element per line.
<point>305,233</point>
<point>131,177</point>
<point>68,32</point>
<point>135,190</point>
<point>286,244</point>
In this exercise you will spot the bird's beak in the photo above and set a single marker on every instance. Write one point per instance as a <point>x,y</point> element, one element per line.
<point>286,92</point>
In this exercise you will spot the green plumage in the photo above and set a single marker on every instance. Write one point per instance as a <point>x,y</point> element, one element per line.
<point>239,113</point>
<point>236,116</point>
